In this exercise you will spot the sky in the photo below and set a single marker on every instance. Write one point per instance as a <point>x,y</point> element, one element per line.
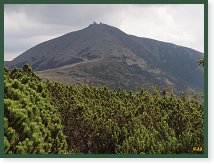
<point>28,25</point>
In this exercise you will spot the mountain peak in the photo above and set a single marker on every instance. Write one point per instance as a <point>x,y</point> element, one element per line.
<point>97,24</point>
<point>103,26</point>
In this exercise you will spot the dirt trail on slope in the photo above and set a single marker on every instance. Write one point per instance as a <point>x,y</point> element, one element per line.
<point>85,61</point>
<point>72,65</point>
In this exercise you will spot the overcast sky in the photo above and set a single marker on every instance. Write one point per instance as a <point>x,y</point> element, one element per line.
<point>28,25</point>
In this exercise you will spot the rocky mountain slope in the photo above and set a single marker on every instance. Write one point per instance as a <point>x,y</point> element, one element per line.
<point>104,55</point>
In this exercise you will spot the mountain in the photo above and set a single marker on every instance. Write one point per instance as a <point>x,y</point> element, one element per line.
<point>6,63</point>
<point>104,55</point>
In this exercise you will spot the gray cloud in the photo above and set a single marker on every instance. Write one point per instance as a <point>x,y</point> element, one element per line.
<point>27,25</point>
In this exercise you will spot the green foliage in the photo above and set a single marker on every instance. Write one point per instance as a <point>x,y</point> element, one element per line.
<point>201,62</point>
<point>99,120</point>
<point>31,122</point>
<point>39,115</point>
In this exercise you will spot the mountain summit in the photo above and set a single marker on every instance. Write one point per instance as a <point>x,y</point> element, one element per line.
<point>104,55</point>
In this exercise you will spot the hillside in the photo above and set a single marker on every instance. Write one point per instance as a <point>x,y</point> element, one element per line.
<point>108,56</point>
<point>48,117</point>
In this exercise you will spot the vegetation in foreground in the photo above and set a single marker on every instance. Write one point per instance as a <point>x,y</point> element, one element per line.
<point>48,117</point>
